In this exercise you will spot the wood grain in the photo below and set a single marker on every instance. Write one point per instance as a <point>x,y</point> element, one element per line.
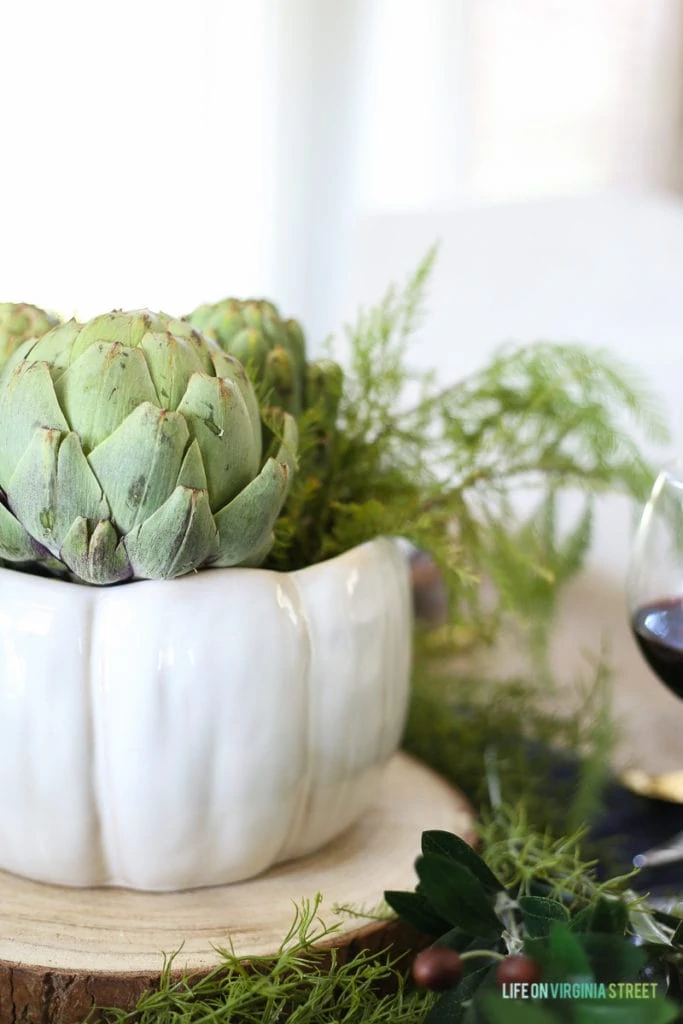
<point>63,950</point>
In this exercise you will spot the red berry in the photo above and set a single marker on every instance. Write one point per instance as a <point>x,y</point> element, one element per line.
<point>522,969</point>
<point>437,968</point>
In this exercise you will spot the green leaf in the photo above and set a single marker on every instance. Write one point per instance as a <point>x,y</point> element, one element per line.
<point>16,544</point>
<point>457,895</point>
<point>136,488</point>
<point>246,524</point>
<point>98,557</point>
<point>450,1009</point>
<point>52,486</point>
<point>581,922</point>
<point>414,908</point>
<point>455,938</point>
<point>101,388</point>
<point>625,1011</point>
<point>178,537</point>
<point>670,920</point>
<point>567,950</point>
<point>218,418</point>
<point>538,914</point>
<point>609,917</point>
<point>561,955</point>
<point>504,1011</point>
<point>612,957</point>
<point>455,848</point>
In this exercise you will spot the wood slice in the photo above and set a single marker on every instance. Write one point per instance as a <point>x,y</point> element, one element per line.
<point>63,950</point>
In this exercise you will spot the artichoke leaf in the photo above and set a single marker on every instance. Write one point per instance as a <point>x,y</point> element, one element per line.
<point>16,544</point>
<point>99,558</point>
<point>21,322</point>
<point>287,452</point>
<point>55,347</point>
<point>137,487</point>
<point>324,387</point>
<point>179,537</point>
<point>296,345</point>
<point>245,526</point>
<point>192,339</point>
<point>102,388</point>
<point>192,473</point>
<point>27,401</point>
<point>52,486</point>
<point>230,367</point>
<point>20,354</point>
<point>219,421</point>
<point>282,381</point>
<point>248,347</point>
<point>171,362</point>
<point>125,328</point>
<point>259,556</point>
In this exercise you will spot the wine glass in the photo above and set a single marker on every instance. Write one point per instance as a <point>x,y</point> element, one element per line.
<point>655,579</point>
<point>655,604</point>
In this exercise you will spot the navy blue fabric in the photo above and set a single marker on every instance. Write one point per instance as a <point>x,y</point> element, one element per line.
<point>629,824</point>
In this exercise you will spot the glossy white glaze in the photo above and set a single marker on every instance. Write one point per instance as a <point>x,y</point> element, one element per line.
<point>167,735</point>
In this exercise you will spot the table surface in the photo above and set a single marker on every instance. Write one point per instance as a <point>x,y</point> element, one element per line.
<point>605,270</point>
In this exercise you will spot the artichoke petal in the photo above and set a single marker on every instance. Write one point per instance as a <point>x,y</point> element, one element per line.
<point>287,452</point>
<point>258,557</point>
<point>230,368</point>
<point>282,382</point>
<point>55,347</point>
<point>324,387</point>
<point>21,322</point>
<point>126,328</point>
<point>171,361</point>
<point>249,347</point>
<point>296,346</point>
<point>100,558</point>
<point>27,401</point>
<point>245,526</point>
<point>16,544</point>
<point>136,488</point>
<point>101,388</point>
<point>192,473</point>
<point>219,420</point>
<point>52,486</point>
<point>178,538</point>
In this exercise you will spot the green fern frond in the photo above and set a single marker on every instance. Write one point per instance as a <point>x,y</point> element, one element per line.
<point>444,467</point>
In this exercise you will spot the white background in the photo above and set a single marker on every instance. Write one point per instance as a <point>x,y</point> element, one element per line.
<point>161,153</point>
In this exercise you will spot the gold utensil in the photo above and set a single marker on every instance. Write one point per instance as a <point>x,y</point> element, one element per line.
<point>664,786</point>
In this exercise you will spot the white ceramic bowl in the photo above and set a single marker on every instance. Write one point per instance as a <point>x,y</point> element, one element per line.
<point>167,735</point>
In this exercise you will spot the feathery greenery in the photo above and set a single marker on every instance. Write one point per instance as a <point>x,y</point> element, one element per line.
<point>527,859</point>
<point>444,466</point>
<point>470,729</point>
<point>300,984</point>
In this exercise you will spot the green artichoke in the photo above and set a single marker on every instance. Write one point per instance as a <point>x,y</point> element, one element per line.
<point>273,351</point>
<point>130,448</point>
<point>20,321</point>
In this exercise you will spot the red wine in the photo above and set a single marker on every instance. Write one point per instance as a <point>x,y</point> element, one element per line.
<point>658,629</point>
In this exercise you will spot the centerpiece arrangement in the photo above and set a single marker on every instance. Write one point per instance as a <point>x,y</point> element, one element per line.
<point>205,616</point>
<point>212,722</point>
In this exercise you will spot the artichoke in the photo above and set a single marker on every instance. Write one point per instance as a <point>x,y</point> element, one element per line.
<point>20,321</point>
<point>130,448</point>
<point>274,352</point>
